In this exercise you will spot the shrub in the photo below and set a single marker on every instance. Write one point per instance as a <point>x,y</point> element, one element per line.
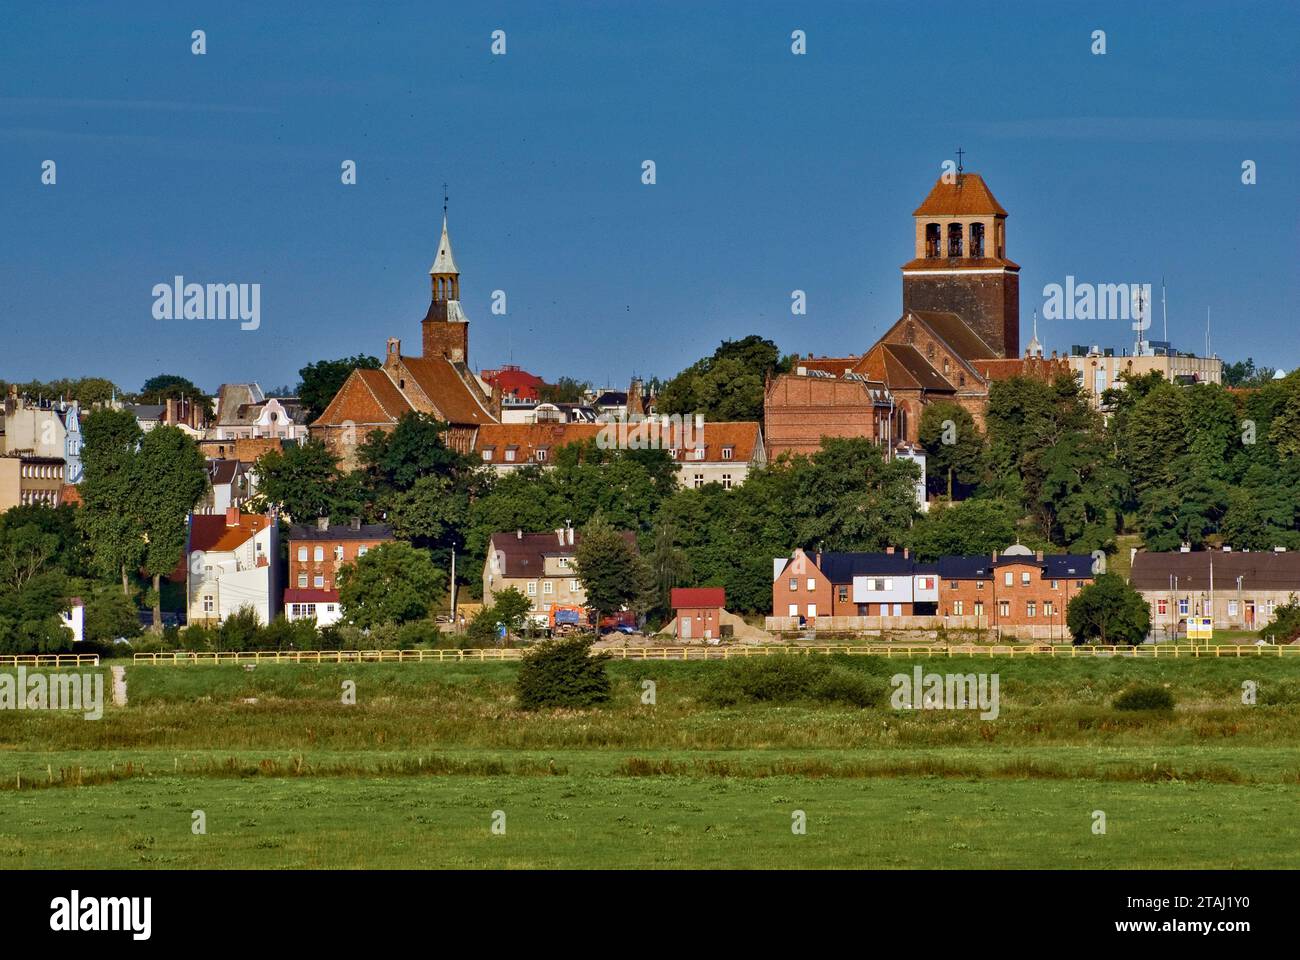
<point>1144,697</point>
<point>788,677</point>
<point>417,632</point>
<point>562,673</point>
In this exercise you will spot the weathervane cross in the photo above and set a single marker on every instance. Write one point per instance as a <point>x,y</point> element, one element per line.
<point>960,152</point>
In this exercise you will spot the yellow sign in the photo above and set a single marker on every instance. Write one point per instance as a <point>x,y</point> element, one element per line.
<point>1200,628</point>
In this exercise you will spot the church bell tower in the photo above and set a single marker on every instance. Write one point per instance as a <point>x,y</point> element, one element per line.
<point>445,327</point>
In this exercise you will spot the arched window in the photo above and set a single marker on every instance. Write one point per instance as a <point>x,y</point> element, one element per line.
<point>954,239</point>
<point>977,239</point>
<point>932,240</point>
<point>929,351</point>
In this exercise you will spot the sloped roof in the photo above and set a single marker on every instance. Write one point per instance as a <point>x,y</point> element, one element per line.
<point>957,333</point>
<point>967,195</point>
<point>211,534</point>
<point>527,438</point>
<point>1259,570</point>
<point>366,397</point>
<point>697,597</point>
<point>341,531</point>
<point>843,567</point>
<point>905,367</point>
<point>525,555</point>
<point>441,382</point>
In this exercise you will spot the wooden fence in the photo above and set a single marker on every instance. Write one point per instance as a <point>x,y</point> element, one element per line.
<point>900,651</point>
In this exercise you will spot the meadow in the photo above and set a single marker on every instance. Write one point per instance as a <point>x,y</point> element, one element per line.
<point>431,756</point>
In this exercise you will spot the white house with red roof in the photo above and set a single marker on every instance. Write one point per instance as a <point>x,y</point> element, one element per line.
<point>233,563</point>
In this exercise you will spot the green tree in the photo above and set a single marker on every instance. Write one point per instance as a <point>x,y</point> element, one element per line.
<point>304,482</point>
<point>107,517</point>
<point>30,615</point>
<point>612,572</point>
<point>37,539</point>
<point>110,615</point>
<point>562,673</point>
<point>169,477</point>
<point>563,390</point>
<point>970,527</point>
<point>392,583</point>
<point>511,607</point>
<point>1108,611</point>
<point>728,385</point>
<point>321,380</point>
<point>954,448</point>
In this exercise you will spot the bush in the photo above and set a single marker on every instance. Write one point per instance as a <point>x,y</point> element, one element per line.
<point>785,678</point>
<point>415,633</point>
<point>562,673</point>
<point>1144,697</point>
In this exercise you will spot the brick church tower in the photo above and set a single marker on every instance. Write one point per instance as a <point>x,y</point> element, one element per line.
<point>445,327</point>
<point>961,264</point>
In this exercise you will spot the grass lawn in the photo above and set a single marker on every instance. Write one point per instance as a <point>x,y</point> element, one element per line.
<point>412,774</point>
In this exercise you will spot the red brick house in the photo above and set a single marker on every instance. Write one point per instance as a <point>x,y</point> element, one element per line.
<point>698,611</point>
<point>317,552</point>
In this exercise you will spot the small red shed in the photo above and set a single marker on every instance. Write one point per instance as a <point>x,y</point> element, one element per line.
<point>699,612</point>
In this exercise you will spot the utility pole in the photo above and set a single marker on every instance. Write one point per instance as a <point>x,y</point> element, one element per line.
<point>453,587</point>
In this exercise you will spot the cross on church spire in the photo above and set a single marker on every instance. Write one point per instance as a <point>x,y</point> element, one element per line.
<point>960,153</point>
<point>444,200</point>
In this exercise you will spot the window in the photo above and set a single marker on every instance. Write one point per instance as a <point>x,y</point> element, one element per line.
<point>302,581</point>
<point>954,239</point>
<point>548,587</point>
<point>1232,608</point>
<point>843,593</point>
<point>1078,584</point>
<point>794,609</point>
<point>1004,608</point>
<point>532,588</point>
<point>329,608</point>
<point>1182,607</point>
<point>362,551</point>
<point>979,608</point>
<point>207,603</point>
<point>319,582</point>
<point>979,584</point>
<point>727,452</point>
<point>564,563</point>
<point>699,480</point>
<point>1024,579</point>
<point>699,453</point>
<point>574,586</point>
<point>812,584</point>
<point>541,455</point>
<point>952,584</point>
<point>318,554</point>
<point>932,240</point>
<point>956,608</point>
<point>1031,609</point>
<point>1007,578</point>
<point>338,552</point>
<point>1048,608</point>
<point>726,481</point>
<point>1162,607</point>
<point>889,584</point>
<point>977,239</point>
<point>487,454</point>
<point>812,610</point>
<point>302,554</point>
<point>510,456</point>
<point>794,585</point>
<point>1056,585</point>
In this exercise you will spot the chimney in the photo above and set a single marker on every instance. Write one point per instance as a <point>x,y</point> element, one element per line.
<point>889,551</point>
<point>323,523</point>
<point>559,532</point>
<point>519,534</point>
<point>906,551</point>
<point>232,516</point>
<point>171,416</point>
<point>570,529</point>
<point>995,556</point>
<point>356,523</point>
<point>1038,555</point>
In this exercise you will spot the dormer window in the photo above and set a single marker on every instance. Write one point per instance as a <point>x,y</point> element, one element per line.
<point>727,452</point>
<point>541,455</point>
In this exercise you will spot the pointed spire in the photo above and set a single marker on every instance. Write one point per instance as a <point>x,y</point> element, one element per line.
<point>444,262</point>
<point>1034,348</point>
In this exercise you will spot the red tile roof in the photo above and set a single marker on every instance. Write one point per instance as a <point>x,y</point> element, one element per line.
<point>683,597</point>
<point>209,532</point>
<point>451,396</point>
<point>967,195</point>
<point>367,397</point>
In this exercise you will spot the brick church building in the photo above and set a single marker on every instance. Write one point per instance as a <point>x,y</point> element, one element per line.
<point>959,331</point>
<point>438,381</point>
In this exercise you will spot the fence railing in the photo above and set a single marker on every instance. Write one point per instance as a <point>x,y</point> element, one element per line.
<point>890,651</point>
<point>50,660</point>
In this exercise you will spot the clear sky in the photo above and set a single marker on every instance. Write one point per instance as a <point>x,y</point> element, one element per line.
<point>775,172</point>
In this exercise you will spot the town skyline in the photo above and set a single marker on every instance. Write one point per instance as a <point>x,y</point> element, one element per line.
<point>628,278</point>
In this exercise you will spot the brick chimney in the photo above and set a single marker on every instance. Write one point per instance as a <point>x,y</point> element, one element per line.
<point>323,523</point>
<point>356,523</point>
<point>232,516</point>
<point>1038,555</point>
<point>889,551</point>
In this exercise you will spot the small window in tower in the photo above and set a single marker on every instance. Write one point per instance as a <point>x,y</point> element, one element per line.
<point>954,239</point>
<point>977,239</point>
<point>932,240</point>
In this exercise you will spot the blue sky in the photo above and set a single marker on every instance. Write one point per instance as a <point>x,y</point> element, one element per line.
<point>775,172</point>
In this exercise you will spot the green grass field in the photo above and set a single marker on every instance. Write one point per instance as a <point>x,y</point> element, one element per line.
<point>412,775</point>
